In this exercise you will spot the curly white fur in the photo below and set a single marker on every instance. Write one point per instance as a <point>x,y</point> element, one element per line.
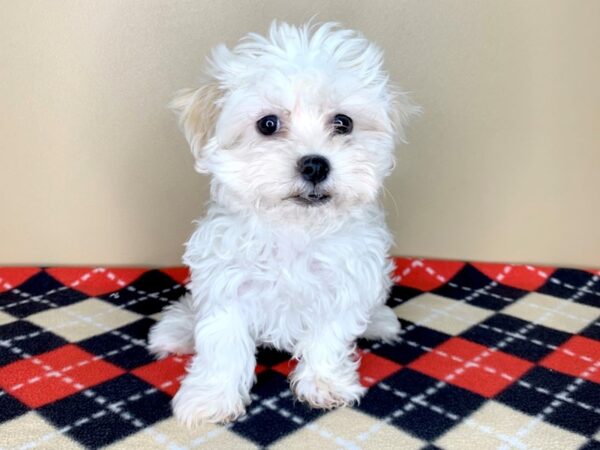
<point>267,270</point>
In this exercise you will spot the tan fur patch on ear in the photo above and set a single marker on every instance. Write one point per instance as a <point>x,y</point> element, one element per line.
<point>198,111</point>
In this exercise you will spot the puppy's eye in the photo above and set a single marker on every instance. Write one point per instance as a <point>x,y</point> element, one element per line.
<point>342,124</point>
<point>268,125</point>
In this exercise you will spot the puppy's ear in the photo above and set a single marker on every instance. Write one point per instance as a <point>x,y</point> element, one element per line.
<point>198,111</point>
<point>402,111</point>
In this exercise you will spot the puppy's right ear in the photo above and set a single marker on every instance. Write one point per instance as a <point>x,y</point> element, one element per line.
<point>198,111</point>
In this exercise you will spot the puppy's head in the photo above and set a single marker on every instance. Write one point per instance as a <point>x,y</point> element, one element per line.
<point>301,122</point>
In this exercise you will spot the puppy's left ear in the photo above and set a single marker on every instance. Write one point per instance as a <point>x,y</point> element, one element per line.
<point>402,111</point>
<point>198,110</point>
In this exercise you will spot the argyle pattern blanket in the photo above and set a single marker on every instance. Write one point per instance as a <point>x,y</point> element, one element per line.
<point>490,356</point>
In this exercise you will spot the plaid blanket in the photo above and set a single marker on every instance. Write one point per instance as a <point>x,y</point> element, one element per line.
<point>491,356</point>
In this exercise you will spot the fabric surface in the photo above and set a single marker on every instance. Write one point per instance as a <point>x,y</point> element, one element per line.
<point>491,356</point>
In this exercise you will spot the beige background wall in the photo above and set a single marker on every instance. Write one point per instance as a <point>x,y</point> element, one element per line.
<point>503,165</point>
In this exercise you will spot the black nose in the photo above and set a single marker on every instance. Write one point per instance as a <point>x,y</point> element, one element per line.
<point>314,168</point>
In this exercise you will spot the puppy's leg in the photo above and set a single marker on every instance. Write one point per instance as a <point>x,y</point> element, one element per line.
<point>174,333</point>
<point>219,379</point>
<point>326,375</point>
<point>383,325</point>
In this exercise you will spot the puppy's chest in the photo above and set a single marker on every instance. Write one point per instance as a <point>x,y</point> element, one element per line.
<point>305,276</point>
<point>296,272</point>
<point>280,293</point>
<point>286,279</point>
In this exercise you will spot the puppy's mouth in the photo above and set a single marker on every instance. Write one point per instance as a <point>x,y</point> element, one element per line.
<point>313,198</point>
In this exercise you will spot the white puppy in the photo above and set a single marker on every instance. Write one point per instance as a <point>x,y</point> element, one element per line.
<point>297,130</point>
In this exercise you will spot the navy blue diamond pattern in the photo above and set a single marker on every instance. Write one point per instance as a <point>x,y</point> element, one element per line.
<point>477,289</point>
<point>538,341</point>
<point>23,336</point>
<point>417,397</point>
<point>402,294</point>
<point>39,293</point>
<point>110,412</point>
<point>541,388</point>
<point>412,343</point>
<point>277,409</point>
<point>122,348</point>
<point>147,295</point>
<point>578,285</point>
<point>10,407</point>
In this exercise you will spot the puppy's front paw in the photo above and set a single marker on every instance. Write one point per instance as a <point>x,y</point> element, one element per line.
<point>327,394</point>
<point>193,405</point>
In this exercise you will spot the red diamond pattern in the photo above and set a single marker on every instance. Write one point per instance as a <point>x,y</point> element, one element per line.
<point>423,274</point>
<point>50,376</point>
<point>528,278</point>
<point>579,356</point>
<point>96,281</point>
<point>471,366</point>
<point>164,374</point>
<point>179,274</point>
<point>374,368</point>
<point>285,367</point>
<point>11,277</point>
